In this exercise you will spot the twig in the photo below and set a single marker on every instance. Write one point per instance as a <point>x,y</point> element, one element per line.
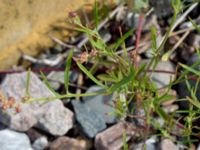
<point>181,18</point>
<point>101,25</point>
<point>61,42</point>
<point>48,62</point>
<point>179,42</point>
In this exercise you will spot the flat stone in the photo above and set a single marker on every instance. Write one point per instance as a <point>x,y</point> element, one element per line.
<point>167,144</point>
<point>40,143</point>
<point>63,143</point>
<point>101,104</point>
<point>11,140</point>
<point>90,121</point>
<point>51,117</point>
<point>112,138</point>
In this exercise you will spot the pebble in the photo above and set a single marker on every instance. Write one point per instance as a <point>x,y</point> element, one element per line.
<point>101,104</point>
<point>167,144</point>
<point>63,143</point>
<point>11,140</point>
<point>51,117</point>
<point>57,78</point>
<point>112,138</point>
<point>40,143</point>
<point>90,121</point>
<point>170,108</point>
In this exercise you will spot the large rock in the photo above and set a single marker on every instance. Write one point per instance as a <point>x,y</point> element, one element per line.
<point>101,104</point>
<point>11,140</point>
<point>90,121</point>
<point>51,117</point>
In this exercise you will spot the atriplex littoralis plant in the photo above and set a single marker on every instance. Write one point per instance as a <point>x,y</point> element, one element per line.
<point>130,84</point>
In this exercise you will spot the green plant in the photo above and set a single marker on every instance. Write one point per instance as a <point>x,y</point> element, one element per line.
<point>130,83</point>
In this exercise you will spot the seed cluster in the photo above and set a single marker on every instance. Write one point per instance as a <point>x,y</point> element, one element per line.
<point>9,103</point>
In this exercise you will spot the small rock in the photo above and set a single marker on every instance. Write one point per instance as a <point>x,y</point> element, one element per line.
<point>51,117</point>
<point>57,78</point>
<point>90,121</point>
<point>167,144</point>
<point>100,104</point>
<point>40,143</point>
<point>63,143</point>
<point>112,138</point>
<point>11,140</point>
<point>149,144</point>
<point>194,40</point>
<point>170,108</point>
<point>162,79</point>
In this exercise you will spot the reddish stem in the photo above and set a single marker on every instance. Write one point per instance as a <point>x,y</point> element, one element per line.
<point>139,31</point>
<point>33,70</point>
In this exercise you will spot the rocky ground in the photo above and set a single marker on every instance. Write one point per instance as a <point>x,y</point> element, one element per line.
<point>91,122</point>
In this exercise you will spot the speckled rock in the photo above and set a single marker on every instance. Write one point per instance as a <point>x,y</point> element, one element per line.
<point>51,117</point>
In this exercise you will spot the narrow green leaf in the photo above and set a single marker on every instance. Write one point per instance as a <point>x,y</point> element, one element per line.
<point>28,82</point>
<point>125,145</point>
<point>106,77</point>
<point>90,75</point>
<point>67,69</point>
<point>123,38</point>
<point>153,37</point>
<point>190,69</point>
<point>48,84</point>
<point>122,82</point>
<point>161,113</point>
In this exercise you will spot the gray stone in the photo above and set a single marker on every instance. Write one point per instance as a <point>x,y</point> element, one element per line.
<point>11,140</point>
<point>112,138</point>
<point>90,121</point>
<point>162,79</point>
<point>167,144</point>
<point>149,144</point>
<point>40,143</point>
<point>57,78</point>
<point>51,117</point>
<point>101,104</point>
